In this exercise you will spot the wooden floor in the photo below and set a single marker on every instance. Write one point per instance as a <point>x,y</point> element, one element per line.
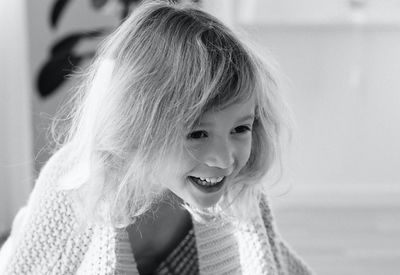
<point>344,240</point>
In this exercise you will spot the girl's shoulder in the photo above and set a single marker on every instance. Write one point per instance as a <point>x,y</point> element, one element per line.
<point>59,162</point>
<point>46,231</point>
<point>62,163</point>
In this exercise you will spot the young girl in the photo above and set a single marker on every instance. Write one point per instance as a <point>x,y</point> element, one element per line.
<point>162,166</point>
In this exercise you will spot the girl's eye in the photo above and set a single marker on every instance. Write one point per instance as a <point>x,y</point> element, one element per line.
<point>197,135</point>
<point>242,129</point>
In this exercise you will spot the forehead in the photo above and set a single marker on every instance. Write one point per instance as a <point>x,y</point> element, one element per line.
<point>230,114</point>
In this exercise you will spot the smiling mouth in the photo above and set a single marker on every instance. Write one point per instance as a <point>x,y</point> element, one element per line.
<point>207,186</point>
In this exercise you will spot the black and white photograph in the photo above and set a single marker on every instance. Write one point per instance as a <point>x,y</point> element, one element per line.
<point>200,137</point>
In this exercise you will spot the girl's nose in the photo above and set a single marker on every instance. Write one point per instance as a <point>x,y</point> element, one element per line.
<point>220,154</point>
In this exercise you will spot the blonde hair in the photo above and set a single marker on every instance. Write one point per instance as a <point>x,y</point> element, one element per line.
<point>151,80</point>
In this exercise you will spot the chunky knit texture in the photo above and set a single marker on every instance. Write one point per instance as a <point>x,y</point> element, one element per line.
<point>47,239</point>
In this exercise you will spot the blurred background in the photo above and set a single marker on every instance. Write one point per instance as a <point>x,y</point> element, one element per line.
<point>339,201</point>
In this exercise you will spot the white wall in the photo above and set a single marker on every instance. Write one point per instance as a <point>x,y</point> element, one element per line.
<point>345,93</point>
<point>15,107</point>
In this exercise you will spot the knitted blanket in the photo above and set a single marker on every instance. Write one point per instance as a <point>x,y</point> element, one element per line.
<point>46,238</point>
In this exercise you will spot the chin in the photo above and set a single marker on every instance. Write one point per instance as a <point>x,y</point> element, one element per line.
<point>204,202</point>
<point>204,197</point>
<point>203,205</point>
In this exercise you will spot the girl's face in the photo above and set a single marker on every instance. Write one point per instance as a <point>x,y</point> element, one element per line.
<point>217,149</point>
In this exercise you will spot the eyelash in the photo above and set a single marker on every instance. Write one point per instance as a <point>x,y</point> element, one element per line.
<point>242,129</point>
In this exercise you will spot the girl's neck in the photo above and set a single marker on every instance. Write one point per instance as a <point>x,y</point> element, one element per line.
<point>157,233</point>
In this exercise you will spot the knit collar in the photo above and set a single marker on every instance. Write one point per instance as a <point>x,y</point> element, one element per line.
<point>223,247</point>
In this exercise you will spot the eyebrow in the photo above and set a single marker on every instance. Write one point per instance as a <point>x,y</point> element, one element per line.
<point>245,118</point>
<point>240,120</point>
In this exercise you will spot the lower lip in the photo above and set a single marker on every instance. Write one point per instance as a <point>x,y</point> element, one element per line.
<point>208,189</point>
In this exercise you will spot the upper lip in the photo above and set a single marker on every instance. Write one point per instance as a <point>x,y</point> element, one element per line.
<point>208,177</point>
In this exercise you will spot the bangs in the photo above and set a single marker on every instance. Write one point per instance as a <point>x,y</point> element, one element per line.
<point>232,76</point>
<point>236,83</point>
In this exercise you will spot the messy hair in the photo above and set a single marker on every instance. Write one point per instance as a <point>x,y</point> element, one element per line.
<point>150,82</point>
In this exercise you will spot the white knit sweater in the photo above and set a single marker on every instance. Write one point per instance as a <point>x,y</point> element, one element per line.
<point>46,239</point>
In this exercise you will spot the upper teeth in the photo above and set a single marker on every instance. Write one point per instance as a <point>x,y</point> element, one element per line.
<point>212,180</point>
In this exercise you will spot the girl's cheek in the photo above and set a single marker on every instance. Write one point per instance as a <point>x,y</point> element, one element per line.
<point>197,150</point>
<point>245,152</point>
